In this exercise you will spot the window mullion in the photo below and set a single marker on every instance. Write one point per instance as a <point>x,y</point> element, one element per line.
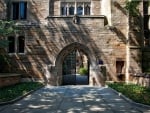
<point>83,9</point>
<point>67,9</point>
<point>75,8</point>
<point>149,15</point>
<point>19,11</point>
<point>16,44</point>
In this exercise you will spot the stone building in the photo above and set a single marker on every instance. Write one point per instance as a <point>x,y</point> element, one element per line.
<point>112,39</point>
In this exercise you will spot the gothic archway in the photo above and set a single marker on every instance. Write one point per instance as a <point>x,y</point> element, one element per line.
<point>95,76</point>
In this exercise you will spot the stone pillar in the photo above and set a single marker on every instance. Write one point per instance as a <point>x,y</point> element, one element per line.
<point>75,8</point>
<point>103,70</point>
<point>96,76</point>
<point>149,16</point>
<point>49,75</point>
<point>3,9</point>
<point>106,10</point>
<point>83,9</point>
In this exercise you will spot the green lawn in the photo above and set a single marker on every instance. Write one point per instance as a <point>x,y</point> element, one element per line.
<point>14,91</point>
<point>135,92</point>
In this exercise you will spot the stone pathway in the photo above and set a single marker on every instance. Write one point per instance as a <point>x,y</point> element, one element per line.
<point>72,99</point>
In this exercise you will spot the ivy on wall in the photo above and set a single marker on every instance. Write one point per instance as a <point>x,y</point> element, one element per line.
<point>6,28</point>
<point>132,7</point>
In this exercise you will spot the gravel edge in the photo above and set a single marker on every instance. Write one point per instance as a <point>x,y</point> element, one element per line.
<point>20,97</point>
<point>129,100</point>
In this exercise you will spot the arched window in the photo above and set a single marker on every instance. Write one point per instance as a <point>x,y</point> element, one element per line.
<point>71,10</point>
<point>64,10</point>
<point>146,20</point>
<point>21,44</point>
<point>87,10</point>
<point>80,10</point>
<point>19,10</point>
<point>16,44</point>
<point>11,44</point>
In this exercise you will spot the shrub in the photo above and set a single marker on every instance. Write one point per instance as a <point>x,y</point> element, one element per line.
<point>83,71</point>
<point>135,92</point>
<point>5,65</point>
<point>11,92</point>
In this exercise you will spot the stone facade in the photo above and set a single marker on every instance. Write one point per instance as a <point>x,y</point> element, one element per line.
<point>104,35</point>
<point>9,79</point>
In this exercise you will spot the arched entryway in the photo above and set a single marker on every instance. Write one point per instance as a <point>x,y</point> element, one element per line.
<point>94,75</point>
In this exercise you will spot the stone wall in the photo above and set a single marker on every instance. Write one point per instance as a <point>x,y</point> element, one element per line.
<point>37,11</point>
<point>47,34</point>
<point>9,79</point>
<point>140,79</point>
<point>2,10</point>
<point>136,39</point>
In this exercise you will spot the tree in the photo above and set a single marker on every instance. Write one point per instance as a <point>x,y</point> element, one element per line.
<point>132,7</point>
<point>6,28</point>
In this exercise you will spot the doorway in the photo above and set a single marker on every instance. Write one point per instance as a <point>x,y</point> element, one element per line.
<point>93,69</point>
<point>75,68</point>
<point>120,70</point>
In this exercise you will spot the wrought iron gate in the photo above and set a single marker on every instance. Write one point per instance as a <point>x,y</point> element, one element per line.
<point>70,67</point>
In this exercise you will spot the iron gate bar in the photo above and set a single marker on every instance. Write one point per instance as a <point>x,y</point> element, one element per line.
<point>69,69</point>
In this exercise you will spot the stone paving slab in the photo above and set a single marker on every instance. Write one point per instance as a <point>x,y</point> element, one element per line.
<point>73,99</point>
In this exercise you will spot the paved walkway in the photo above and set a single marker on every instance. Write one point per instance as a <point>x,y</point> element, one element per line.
<point>72,99</point>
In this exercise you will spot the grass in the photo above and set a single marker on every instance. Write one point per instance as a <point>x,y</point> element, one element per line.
<point>137,93</point>
<point>14,91</point>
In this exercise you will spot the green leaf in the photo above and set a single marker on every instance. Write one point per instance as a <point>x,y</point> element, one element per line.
<point>3,43</point>
<point>7,27</point>
<point>132,7</point>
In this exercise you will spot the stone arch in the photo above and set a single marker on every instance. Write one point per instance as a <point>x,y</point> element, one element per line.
<point>95,75</point>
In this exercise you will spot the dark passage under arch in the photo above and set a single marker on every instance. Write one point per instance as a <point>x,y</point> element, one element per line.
<point>75,68</point>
